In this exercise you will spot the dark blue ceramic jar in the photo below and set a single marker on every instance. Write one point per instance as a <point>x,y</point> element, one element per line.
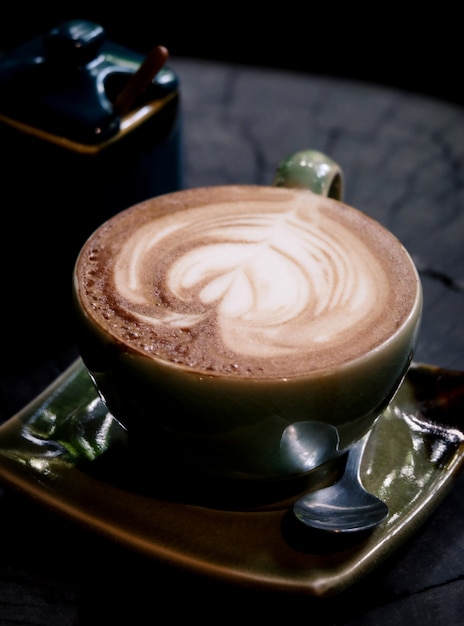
<point>71,161</point>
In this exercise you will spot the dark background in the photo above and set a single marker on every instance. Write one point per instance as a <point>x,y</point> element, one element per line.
<point>418,51</point>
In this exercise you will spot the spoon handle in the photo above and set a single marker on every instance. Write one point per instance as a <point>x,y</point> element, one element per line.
<point>354,457</point>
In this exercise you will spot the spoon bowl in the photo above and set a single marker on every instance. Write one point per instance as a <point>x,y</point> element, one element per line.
<point>345,506</point>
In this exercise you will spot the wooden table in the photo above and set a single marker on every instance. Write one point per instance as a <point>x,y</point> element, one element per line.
<point>403,159</point>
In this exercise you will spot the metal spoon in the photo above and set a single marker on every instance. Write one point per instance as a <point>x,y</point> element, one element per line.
<point>345,506</point>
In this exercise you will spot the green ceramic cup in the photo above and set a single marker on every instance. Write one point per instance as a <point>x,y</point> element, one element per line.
<point>221,323</point>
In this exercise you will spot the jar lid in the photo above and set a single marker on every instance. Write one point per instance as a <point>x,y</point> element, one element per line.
<point>65,82</point>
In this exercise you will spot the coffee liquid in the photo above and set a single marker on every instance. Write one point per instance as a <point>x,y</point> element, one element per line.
<point>246,281</point>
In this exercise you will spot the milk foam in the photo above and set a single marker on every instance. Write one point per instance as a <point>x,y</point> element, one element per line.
<point>270,282</point>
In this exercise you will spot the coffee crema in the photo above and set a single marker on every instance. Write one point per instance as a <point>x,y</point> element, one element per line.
<point>247,281</point>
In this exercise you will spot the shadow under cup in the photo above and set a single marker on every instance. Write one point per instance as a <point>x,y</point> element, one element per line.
<point>217,437</point>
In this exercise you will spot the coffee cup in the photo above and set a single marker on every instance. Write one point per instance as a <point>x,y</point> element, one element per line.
<point>218,322</point>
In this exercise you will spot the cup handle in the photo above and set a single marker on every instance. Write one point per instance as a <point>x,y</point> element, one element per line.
<point>313,170</point>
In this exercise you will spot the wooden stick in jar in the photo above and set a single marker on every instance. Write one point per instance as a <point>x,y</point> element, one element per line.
<point>140,80</point>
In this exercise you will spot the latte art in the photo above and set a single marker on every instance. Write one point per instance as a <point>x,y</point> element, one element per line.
<point>247,280</point>
<point>272,283</point>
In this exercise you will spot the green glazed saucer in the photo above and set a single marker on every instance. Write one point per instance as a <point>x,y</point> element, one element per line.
<point>65,451</point>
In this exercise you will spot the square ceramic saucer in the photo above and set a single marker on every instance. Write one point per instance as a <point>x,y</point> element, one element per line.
<point>67,452</point>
